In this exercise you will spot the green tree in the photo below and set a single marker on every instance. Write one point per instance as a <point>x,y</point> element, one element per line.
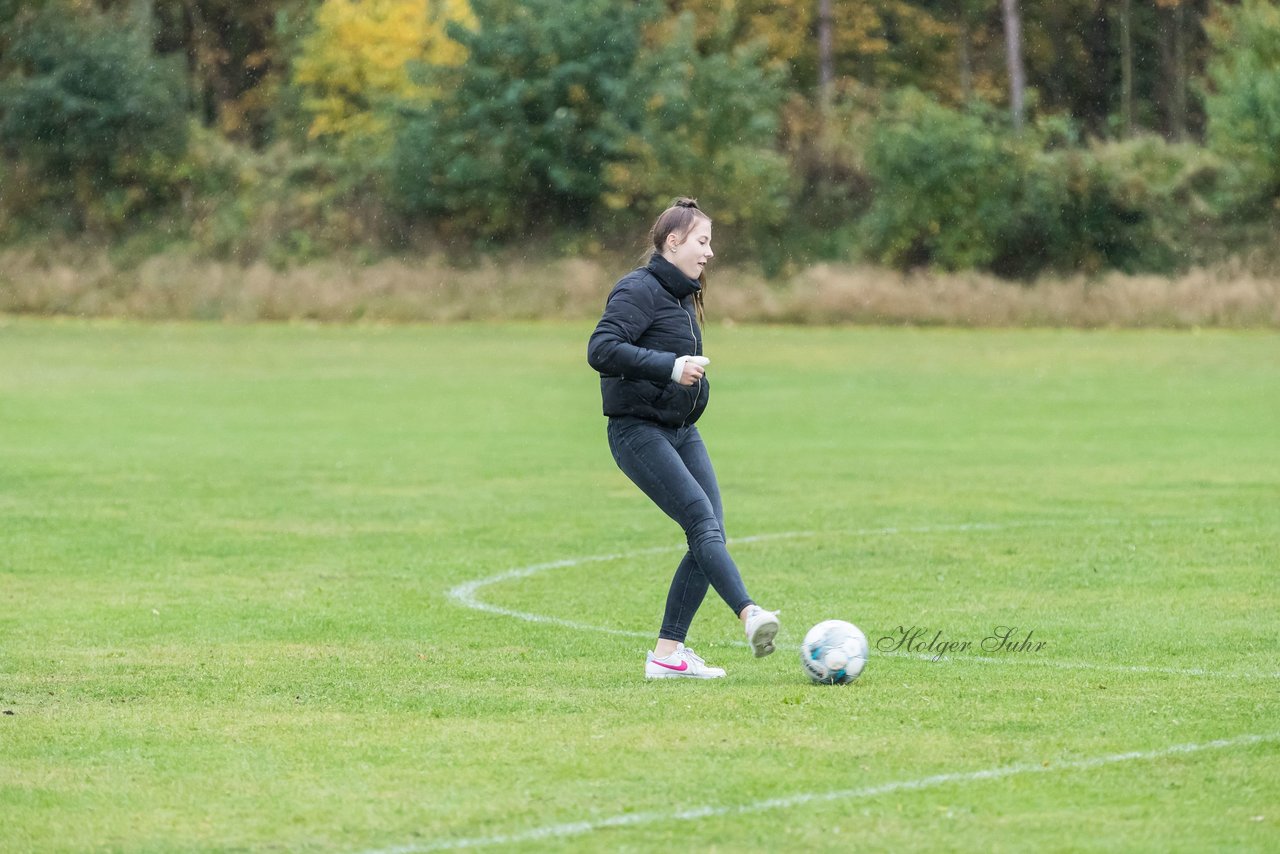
<point>93,113</point>
<point>518,141</point>
<point>703,122</point>
<point>235,55</point>
<point>1243,95</point>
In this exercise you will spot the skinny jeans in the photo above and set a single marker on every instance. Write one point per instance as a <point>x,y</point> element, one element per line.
<point>672,467</point>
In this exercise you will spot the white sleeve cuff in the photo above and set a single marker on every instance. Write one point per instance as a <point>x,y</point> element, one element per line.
<point>678,370</point>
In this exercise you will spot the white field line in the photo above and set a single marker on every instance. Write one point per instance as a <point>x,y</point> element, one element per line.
<point>579,828</point>
<point>466,595</point>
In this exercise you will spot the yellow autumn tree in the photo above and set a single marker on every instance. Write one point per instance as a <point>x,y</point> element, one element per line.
<point>357,60</point>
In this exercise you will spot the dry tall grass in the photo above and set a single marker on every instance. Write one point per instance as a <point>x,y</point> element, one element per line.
<point>87,283</point>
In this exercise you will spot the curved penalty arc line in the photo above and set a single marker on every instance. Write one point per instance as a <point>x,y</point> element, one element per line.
<point>467,596</point>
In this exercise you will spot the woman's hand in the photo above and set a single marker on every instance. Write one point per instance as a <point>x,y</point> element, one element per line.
<point>692,369</point>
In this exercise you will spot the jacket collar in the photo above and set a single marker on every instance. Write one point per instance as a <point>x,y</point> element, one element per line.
<point>677,283</point>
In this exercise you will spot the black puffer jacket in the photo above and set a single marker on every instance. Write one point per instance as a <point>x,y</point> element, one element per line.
<point>649,320</point>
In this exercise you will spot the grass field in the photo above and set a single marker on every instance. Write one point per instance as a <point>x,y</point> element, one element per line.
<point>291,588</point>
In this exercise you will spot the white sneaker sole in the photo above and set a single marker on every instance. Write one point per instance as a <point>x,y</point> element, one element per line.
<point>675,674</point>
<point>762,640</point>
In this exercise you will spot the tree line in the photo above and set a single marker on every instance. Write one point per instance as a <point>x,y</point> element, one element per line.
<point>1007,135</point>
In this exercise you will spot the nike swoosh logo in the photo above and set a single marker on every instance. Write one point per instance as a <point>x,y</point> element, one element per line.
<point>684,665</point>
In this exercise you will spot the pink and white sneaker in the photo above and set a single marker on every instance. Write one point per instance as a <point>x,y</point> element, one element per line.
<point>684,663</point>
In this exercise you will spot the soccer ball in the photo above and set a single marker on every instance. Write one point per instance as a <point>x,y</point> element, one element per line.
<point>834,652</point>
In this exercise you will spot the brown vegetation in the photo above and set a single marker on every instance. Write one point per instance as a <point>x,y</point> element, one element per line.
<point>172,286</point>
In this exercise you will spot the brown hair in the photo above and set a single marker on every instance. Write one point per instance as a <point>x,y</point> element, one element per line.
<point>679,219</point>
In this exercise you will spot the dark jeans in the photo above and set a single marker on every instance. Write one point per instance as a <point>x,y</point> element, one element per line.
<point>672,467</point>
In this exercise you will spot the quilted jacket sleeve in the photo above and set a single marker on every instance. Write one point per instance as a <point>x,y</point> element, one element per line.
<point>613,348</point>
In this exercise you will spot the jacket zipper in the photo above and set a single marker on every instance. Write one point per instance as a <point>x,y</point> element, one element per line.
<point>698,393</point>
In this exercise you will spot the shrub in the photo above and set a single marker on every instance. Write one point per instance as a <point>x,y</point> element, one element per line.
<point>280,204</point>
<point>957,190</point>
<point>1134,205</point>
<point>945,185</point>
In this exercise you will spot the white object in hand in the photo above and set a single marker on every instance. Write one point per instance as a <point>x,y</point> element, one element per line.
<point>678,370</point>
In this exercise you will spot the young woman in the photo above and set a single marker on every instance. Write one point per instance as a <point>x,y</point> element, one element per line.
<point>648,350</point>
